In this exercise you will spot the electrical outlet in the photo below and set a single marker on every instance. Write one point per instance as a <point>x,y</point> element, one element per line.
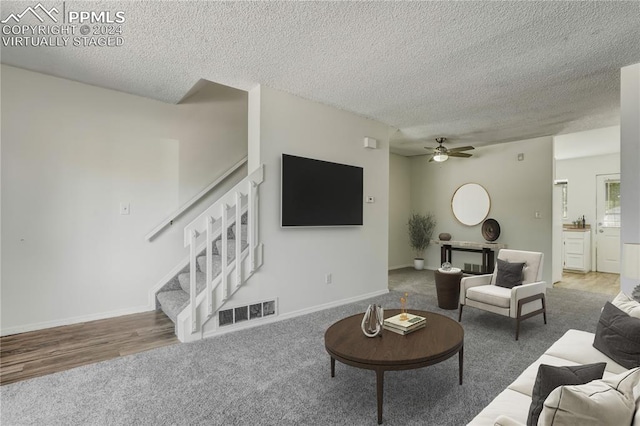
<point>371,199</point>
<point>124,208</point>
<point>328,279</point>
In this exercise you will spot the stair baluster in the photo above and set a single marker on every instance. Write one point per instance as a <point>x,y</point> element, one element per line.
<point>209,272</point>
<point>238,238</point>
<point>251,225</point>
<point>224,254</point>
<point>192,282</point>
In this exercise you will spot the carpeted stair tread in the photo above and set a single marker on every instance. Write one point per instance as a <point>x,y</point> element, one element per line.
<point>173,302</point>
<point>243,232</point>
<point>216,264</point>
<point>185,282</point>
<point>231,248</point>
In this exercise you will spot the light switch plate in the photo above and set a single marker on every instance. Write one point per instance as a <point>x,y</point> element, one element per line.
<point>124,208</point>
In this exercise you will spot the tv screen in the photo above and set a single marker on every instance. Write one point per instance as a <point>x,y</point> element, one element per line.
<point>320,193</point>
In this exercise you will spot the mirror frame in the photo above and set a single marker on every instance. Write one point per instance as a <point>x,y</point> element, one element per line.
<point>470,204</point>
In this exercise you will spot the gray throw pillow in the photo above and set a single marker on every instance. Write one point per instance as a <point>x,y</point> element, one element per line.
<point>636,293</point>
<point>550,377</point>
<point>618,336</point>
<point>509,274</point>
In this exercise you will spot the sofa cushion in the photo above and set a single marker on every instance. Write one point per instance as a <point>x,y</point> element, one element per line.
<point>491,294</point>
<point>618,336</point>
<point>607,401</point>
<point>550,377</point>
<point>576,346</point>
<point>627,304</point>
<point>509,274</point>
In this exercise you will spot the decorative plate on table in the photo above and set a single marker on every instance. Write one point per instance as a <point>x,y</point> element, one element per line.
<point>490,229</point>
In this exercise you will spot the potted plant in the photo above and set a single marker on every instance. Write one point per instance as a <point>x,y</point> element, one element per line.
<point>420,230</point>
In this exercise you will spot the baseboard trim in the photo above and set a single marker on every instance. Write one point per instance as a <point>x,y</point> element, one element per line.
<point>74,320</point>
<point>391,268</point>
<point>294,314</point>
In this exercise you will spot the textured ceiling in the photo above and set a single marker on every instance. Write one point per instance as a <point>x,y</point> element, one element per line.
<point>475,72</point>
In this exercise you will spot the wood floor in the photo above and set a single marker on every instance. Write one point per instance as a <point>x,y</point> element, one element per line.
<point>595,282</point>
<point>37,353</point>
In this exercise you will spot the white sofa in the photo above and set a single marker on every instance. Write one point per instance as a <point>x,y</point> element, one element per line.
<point>511,406</point>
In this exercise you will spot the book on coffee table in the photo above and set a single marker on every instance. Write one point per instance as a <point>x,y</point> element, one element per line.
<point>403,332</point>
<point>411,322</point>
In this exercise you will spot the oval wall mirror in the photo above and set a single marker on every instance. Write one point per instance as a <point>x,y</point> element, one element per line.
<point>470,204</point>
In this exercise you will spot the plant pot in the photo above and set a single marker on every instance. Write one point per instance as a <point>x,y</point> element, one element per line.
<point>418,264</point>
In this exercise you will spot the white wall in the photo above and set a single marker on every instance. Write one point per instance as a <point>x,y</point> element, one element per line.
<point>517,190</point>
<point>71,153</point>
<point>296,260</point>
<point>589,143</point>
<point>212,124</point>
<point>400,253</point>
<point>630,162</point>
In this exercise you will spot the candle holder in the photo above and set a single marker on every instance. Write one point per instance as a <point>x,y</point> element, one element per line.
<point>403,307</point>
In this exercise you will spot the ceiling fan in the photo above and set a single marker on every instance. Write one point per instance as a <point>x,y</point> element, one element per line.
<point>442,153</point>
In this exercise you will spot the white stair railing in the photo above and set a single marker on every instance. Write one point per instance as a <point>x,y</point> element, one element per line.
<point>213,223</point>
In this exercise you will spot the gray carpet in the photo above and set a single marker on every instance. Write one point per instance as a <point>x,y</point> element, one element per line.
<point>278,374</point>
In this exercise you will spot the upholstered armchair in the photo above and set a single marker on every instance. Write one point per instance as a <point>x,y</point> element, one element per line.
<point>523,301</point>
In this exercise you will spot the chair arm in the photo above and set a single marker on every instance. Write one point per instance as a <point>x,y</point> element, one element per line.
<point>473,281</point>
<point>525,290</point>
<point>503,420</point>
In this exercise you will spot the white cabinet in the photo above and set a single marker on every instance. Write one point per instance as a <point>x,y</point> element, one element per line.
<point>576,255</point>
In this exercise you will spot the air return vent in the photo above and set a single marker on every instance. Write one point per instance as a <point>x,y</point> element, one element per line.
<point>250,312</point>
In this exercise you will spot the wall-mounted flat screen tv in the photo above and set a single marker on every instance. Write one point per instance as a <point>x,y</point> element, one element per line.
<point>320,193</point>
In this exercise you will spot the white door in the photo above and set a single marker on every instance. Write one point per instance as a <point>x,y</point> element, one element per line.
<point>608,223</point>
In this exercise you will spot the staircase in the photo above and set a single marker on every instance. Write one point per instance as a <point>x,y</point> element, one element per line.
<point>224,252</point>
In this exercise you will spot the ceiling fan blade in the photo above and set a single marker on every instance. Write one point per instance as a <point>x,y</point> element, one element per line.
<point>462,148</point>
<point>431,159</point>
<point>459,154</point>
<point>428,148</point>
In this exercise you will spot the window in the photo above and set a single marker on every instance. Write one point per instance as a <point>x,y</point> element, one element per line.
<point>612,203</point>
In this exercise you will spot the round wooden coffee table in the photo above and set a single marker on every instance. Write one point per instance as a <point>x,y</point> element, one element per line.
<point>439,340</point>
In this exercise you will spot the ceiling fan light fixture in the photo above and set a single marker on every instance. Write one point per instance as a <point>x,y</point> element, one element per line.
<point>440,157</point>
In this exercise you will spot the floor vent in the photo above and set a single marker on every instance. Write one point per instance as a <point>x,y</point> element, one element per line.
<point>246,313</point>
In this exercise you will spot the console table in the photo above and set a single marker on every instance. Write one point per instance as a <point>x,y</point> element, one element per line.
<point>446,247</point>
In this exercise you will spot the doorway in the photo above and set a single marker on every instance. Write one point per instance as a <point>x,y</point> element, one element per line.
<point>607,232</point>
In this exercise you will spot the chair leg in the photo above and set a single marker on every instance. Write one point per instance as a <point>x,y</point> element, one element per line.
<point>522,302</point>
<point>460,313</point>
